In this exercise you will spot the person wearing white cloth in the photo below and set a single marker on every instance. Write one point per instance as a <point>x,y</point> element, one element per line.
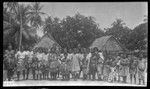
<point>69,59</point>
<point>100,65</point>
<point>89,54</point>
<point>20,55</point>
<point>81,57</point>
<point>75,64</point>
<point>141,69</point>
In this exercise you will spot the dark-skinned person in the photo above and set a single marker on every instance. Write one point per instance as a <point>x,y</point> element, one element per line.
<point>75,64</point>
<point>124,68</point>
<point>141,69</point>
<point>20,63</point>
<point>69,61</point>
<point>85,64</point>
<point>10,65</point>
<point>100,66</point>
<point>133,63</point>
<point>81,56</point>
<point>93,64</point>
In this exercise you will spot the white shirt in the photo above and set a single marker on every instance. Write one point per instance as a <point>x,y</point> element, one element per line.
<point>80,56</point>
<point>62,56</point>
<point>39,56</point>
<point>20,55</point>
<point>70,56</point>
<point>46,57</point>
<point>101,55</point>
<point>88,56</point>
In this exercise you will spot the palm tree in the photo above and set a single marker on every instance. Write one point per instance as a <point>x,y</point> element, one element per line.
<point>35,12</point>
<point>17,26</point>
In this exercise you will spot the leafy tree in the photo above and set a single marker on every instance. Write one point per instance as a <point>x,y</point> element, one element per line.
<point>120,32</point>
<point>72,31</point>
<point>138,37</point>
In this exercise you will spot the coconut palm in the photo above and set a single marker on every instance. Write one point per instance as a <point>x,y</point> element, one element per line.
<point>17,25</point>
<point>35,12</point>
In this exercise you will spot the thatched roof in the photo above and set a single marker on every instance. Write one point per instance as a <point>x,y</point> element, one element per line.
<point>108,43</point>
<point>47,41</point>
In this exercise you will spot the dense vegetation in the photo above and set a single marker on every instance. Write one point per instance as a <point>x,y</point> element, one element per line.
<point>21,22</point>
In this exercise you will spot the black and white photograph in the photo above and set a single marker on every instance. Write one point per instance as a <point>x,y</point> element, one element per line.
<point>75,44</point>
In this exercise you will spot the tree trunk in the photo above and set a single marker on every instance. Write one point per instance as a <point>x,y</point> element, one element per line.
<point>20,41</point>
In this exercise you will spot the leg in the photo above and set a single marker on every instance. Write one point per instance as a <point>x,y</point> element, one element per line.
<point>80,71</point>
<point>131,78</point>
<point>33,73</point>
<point>27,73</point>
<point>134,78</point>
<point>139,81</point>
<point>94,75</point>
<point>90,76</point>
<point>58,73</point>
<point>125,79</point>
<point>18,75</point>
<point>23,74</point>
<point>9,75</point>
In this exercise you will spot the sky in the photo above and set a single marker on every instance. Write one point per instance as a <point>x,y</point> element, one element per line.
<point>105,13</point>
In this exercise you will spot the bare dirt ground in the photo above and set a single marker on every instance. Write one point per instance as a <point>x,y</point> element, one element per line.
<point>71,82</point>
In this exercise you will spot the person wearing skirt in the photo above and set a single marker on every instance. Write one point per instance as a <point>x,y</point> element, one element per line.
<point>124,68</point>
<point>141,69</point>
<point>85,66</point>
<point>106,71</point>
<point>75,68</point>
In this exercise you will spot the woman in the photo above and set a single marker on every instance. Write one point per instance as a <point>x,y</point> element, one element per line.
<point>113,73</point>
<point>75,64</point>
<point>63,67</point>
<point>106,70</point>
<point>124,71</point>
<point>54,64</point>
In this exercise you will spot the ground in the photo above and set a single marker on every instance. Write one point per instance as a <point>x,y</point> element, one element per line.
<point>64,83</point>
<point>71,82</point>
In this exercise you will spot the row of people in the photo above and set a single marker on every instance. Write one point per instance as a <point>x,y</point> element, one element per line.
<point>73,63</point>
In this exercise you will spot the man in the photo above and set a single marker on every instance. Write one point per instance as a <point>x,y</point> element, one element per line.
<point>100,65</point>
<point>132,67</point>
<point>39,64</point>
<point>141,69</point>
<point>81,57</point>
<point>89,54</point>
<point>69,61</point>
<point>93,63</point>
<point>27,65</point>
<point>20,65</point>
<point>85,64</point>
<point>64,68</point>
<point>10,62</point>
<point>34,65</point>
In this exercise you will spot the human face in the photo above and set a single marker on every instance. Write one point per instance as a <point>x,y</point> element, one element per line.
<point>10,47</point>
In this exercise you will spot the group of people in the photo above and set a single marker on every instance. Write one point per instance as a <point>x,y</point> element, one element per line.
<point>83,63</point>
